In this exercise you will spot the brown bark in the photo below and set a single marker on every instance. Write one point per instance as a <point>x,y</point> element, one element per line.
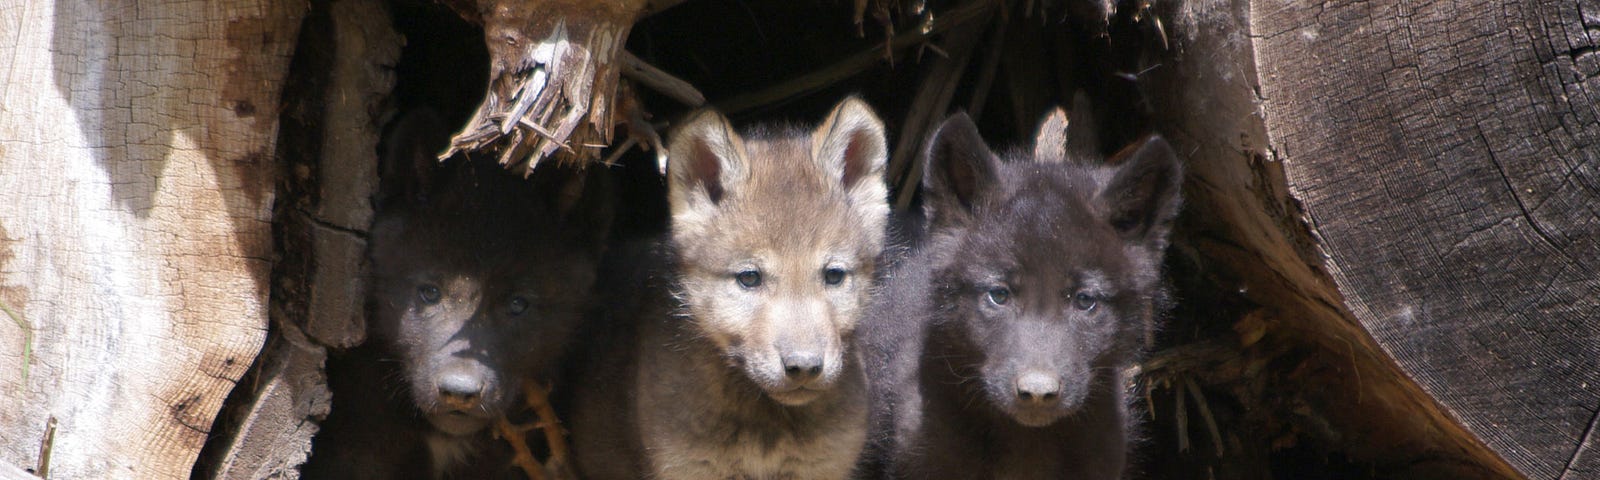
<point>1445,157</point>
<point>1302,364</point>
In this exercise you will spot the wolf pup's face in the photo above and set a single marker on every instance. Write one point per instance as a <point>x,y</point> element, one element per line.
<point>1048,262</point>
<point>776,232</point>
<point>479,275</point>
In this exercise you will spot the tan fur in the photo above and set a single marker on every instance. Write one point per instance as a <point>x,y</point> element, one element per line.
<point>787,213</point>
<point>790,205</point>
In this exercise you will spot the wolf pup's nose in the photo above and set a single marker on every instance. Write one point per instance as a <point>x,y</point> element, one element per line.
<point>803,366</point>
<point>1035,388</point>
<point>460,390</point>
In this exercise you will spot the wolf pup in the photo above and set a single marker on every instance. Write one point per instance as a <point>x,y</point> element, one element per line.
<point>478,277</point>
<point>742,365</point>
<point>998,347</point>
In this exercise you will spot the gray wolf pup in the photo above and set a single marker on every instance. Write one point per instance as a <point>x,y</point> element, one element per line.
<point>997,348</point>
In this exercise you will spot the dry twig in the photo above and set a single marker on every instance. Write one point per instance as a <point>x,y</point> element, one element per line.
<point>660,81</point>
<point>537,398</point>
<point>1205,413</point>
<point>521,455</point>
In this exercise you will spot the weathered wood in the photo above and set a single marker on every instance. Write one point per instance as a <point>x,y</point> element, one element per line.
<point>273,437</point>
<point>11,472</point>
<point>334,106</point>
<point>1300,363</point>
<point>135,198</point>
<point>338,195</point>
<point>1447,155</point>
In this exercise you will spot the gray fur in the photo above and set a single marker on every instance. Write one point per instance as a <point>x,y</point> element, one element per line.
<point>1034,270</point>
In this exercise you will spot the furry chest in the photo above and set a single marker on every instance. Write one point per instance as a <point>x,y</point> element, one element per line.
<point>717,446</point>
<point>755,456</point>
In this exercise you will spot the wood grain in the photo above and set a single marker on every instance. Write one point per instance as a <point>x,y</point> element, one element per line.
<point>1446,155</point>
<point>135,200</point>
<point>337,97</point>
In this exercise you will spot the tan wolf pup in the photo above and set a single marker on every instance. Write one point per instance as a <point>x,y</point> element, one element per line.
<point>738,362</point>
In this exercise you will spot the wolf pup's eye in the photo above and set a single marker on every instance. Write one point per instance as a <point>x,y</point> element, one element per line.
<point>833,276</point>
<point>748,278</point>
<point>429,294</point>
<point>518,305</point>
<point>1084,301</point>
<point>999,295</point>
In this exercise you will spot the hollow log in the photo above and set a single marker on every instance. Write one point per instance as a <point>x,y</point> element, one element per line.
<point>1389,250</point>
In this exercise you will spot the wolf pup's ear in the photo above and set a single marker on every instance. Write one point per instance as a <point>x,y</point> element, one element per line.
<point>1050,143</point>
<point>1142,197</point>
<point>850,146</point>
<point>958,169</point>
<point>705,161</point>
<point>410,165</point>
<point>1068,137</point>
<point>1083,136</point>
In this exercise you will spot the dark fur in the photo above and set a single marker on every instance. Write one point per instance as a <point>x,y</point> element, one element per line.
<point>949,364</point>
<point>690,381</point>
<point>512,261</point>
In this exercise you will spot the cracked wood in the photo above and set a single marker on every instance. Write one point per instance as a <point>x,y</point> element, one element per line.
<point>135,201</point>
<point>1448,155</point>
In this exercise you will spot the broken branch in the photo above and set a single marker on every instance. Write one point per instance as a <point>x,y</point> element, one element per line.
<point>554,67</point>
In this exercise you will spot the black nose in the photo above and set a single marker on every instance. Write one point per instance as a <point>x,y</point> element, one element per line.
<point>802,366</point>
<point>1038,388</point>
<point>460,390</point>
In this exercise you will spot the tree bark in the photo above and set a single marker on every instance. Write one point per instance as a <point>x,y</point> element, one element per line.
<point>1446,157</point>
<point>135,229</point>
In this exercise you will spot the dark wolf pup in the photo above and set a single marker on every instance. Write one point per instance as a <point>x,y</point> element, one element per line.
<point>741,364</point>
<point>997,349</point>
<point>478,277</point>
